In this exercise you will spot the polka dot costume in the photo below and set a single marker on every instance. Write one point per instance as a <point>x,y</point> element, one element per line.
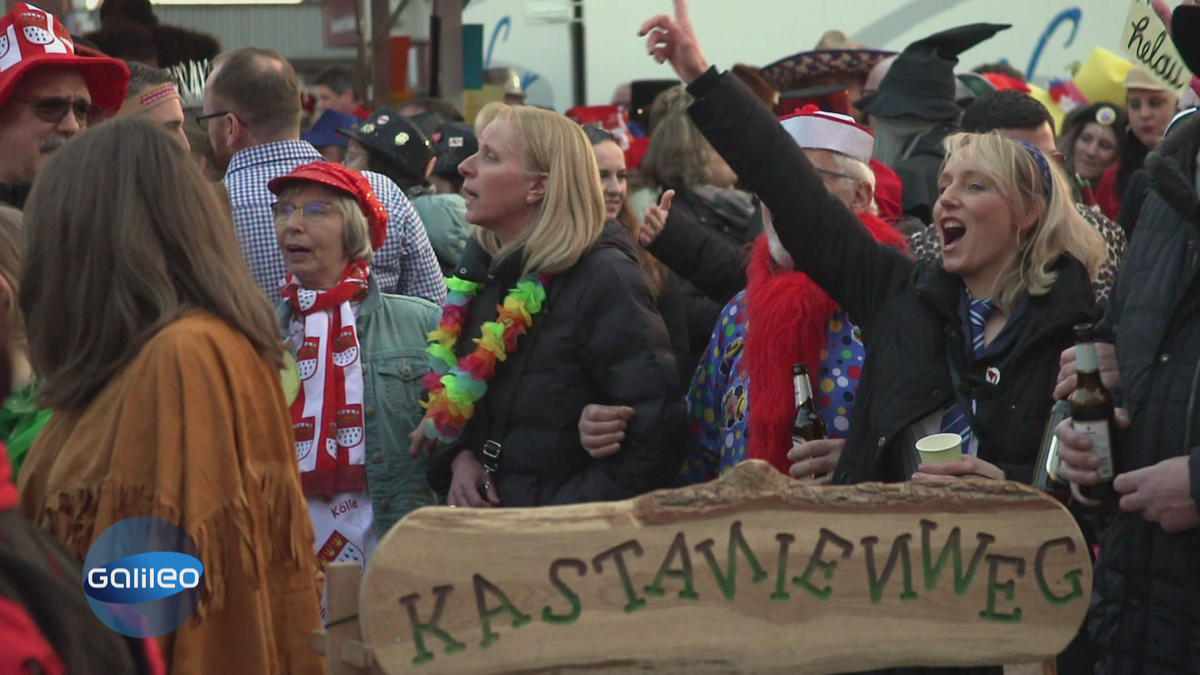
<point>841,369</point>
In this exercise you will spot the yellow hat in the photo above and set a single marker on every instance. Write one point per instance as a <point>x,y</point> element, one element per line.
<point>1102,76</point>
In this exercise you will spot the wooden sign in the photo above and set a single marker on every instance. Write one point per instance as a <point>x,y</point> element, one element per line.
<point>1147,42</point>
<point>752,573</point>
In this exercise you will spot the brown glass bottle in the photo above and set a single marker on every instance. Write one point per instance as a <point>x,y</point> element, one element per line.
<point>1092,414</point>
<point>808,425</point>
<point>1045,471</point>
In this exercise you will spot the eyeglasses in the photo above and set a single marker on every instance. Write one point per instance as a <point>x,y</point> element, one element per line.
<point>53,110</point>
<point>202,120</point>
<point>834,174</point>
<point>314,213</point>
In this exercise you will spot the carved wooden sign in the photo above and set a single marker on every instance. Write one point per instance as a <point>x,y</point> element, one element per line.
<point>753,573</point>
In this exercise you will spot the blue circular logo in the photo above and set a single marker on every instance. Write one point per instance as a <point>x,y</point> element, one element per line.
<point>143,577</point>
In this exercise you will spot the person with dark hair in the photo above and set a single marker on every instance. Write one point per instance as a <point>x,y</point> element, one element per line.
<point>165,385</point>
<point>252,111</point>
<point>48,94</point>
<point>334,88</point>
<point>1091,141</point>
<point>915,108</point>
<point>152,95</point>
<point>1018,116</point>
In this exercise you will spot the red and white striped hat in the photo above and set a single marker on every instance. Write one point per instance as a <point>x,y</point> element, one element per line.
<point>819,130</point>
<point>31,37</point>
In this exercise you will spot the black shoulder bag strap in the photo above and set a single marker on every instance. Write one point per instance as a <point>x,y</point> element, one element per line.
<point>505,392</point>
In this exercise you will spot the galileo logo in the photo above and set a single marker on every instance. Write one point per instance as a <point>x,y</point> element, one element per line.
<point>143,577</point>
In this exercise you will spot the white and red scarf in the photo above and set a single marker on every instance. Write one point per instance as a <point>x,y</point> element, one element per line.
<point>327,415</point>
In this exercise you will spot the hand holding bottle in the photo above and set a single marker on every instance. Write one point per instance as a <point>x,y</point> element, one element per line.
<point>1077,463</point>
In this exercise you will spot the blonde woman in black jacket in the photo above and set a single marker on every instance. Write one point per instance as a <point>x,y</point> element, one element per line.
<point>1017,256</point>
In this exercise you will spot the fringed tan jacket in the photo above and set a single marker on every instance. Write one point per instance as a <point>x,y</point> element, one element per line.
<point>195,431</point>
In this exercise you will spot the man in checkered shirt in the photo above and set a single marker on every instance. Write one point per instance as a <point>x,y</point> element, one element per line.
<point>252,112</point>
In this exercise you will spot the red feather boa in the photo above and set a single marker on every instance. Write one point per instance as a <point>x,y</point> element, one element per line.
<point>787,313</point>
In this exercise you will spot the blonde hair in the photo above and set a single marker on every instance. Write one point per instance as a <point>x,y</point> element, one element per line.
<point>356,236</point>
<point>570,218</point>
<point>1059,229</point>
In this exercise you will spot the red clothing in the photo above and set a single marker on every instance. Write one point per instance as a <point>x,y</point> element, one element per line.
<point>1106,192</point>
<point>361,113</point>
<point>888,191</point>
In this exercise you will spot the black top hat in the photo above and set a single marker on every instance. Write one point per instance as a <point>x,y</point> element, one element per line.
<point>921,82</point>
<point>394,138</point>
<point>1185,31</point>
<point>454,142</point>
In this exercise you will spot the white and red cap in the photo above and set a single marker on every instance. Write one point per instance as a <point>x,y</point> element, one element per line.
<point>31,37</point>
<point>816,129</point>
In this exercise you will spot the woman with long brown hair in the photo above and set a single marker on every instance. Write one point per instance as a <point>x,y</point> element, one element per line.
<point>161,360</point>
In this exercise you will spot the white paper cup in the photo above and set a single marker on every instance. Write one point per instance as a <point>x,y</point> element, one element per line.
<point>940,448</point>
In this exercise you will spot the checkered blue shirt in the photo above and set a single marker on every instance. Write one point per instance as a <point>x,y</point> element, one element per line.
<point>405,264</point>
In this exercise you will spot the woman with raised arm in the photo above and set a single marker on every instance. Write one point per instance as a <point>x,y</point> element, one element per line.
<point>970,346</point>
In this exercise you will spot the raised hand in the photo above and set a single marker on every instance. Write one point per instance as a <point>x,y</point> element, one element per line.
<point>656,219</point>
<point>673,39</point>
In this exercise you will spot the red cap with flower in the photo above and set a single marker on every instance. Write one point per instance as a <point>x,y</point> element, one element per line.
<point>346,180</point>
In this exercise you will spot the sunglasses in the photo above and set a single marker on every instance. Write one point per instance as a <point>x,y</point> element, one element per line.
<point>53,110</point>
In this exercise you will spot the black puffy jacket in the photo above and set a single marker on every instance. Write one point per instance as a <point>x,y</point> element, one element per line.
<point>908,310</point>
<point>599,340</point>
<point>1145,615</point>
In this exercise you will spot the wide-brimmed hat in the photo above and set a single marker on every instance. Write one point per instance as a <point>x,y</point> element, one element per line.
<point>834,54</point>
<point>1140,78</point>
<point>397,140</point>
<point>1185,32</point>
<point>921,82</point>
<point>345,180</point>
<point>32,37</point>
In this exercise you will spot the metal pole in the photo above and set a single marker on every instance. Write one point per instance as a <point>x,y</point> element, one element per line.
<point>578,54</point>
<point>450,50</point>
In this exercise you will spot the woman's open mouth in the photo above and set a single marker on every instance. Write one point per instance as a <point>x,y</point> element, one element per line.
<point>952,231</point>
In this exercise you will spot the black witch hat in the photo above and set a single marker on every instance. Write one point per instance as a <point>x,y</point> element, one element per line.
<point>921,81</point>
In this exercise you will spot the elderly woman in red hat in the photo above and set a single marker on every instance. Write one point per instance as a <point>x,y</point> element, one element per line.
<point>359,354</point>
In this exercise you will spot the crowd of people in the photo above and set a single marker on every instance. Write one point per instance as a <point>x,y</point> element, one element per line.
<point>284,331</point>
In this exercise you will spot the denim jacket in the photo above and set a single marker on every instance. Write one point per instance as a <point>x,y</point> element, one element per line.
<point>392,333</point>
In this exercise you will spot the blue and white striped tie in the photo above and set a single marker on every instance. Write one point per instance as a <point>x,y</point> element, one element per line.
<point>955,420</point>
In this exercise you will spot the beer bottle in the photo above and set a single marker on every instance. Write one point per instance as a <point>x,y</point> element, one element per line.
<point>1092,415</point>
<point>808,426</point>
<point>1045,471</point>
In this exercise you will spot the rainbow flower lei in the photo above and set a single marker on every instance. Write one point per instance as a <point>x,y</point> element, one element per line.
<point>456,384</point>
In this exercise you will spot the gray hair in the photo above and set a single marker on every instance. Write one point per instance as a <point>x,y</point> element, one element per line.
<point>356,235</point>
<point>860,172</point>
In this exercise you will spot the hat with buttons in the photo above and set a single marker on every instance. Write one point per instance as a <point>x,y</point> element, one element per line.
<point>397,140</point>
<point>345,180</point>
<point>454,142</point>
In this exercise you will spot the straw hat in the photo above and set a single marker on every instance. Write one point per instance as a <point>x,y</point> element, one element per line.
<point>834,54</point>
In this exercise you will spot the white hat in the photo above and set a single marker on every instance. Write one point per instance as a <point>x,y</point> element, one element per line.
<point>815,129</point>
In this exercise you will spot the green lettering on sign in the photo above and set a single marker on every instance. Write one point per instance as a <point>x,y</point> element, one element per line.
<point>483,586</point>
<point>1009,588</point>
<point>419,629</point>
<point>879,582</point>
<point>617,553</point>
<point>815,563</point>
<point>679,549</point>
<point>781,595</point>
<point>953,547</point>
<point>1039,571</point>
<point>728,581</point>
<point>548,615</point>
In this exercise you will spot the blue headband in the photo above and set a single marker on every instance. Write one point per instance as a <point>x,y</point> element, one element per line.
<point>1043,166</point>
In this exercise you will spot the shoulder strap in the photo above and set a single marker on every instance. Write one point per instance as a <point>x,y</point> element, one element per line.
<point>504,391</point>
